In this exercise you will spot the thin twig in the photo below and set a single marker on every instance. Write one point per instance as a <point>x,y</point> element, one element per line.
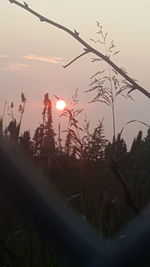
<point>75,35</point>
<point>84,53</point>
<point>131,90</point>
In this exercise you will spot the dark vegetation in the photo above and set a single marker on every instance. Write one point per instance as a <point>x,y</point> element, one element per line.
<point>101,180</point>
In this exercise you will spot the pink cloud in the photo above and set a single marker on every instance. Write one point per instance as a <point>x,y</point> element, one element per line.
<point>53,60</point>
<point>13,66</point>
<point>4,56</point>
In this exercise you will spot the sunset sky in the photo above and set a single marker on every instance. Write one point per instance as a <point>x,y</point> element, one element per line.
<point>32,55</point>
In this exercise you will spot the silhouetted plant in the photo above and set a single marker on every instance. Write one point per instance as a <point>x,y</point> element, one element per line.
<point>26,143</point>
<point>11,110</point>
<point>117,149</point>
<point>1,122</point>
<point>13,130</point>
<point>38,141</point>
<point>48,146</point>
<point>136,142</point>
<point>73,145</point>
<point>107,83</point>
<point>14,127</point>
<point>21,110</point>
<point>97,143</point>
<point>44,136</point>
<point>4,109</point>
<point>1,129</point>
<point>94,144</point>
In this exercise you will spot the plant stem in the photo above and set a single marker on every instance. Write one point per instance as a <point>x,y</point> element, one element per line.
<point>114,122</point>
<point>112,106</point>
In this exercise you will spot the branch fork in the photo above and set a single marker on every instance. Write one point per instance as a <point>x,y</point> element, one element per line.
<point>88,48</point>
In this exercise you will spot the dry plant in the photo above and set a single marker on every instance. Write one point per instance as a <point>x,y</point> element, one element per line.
<point>14,126</point>
<point>107,84</point>
<point>73,144</point>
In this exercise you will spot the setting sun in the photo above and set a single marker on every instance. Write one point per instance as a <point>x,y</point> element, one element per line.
<point>60,104</point>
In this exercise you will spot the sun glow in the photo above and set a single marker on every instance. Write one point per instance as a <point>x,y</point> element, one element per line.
<point>60,104</point>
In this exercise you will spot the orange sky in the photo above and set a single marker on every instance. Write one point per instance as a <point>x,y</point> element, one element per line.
<point>32,55</point>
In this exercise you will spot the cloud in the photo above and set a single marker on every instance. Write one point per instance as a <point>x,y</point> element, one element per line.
<point>4,56</point>
<point>53,60</point>
<point>13,66</point>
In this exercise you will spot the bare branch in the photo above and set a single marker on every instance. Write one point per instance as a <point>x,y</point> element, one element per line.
<point>132,89</point>
<point>25,4</point>
<point>84,53</point>
<point>75,35</point>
